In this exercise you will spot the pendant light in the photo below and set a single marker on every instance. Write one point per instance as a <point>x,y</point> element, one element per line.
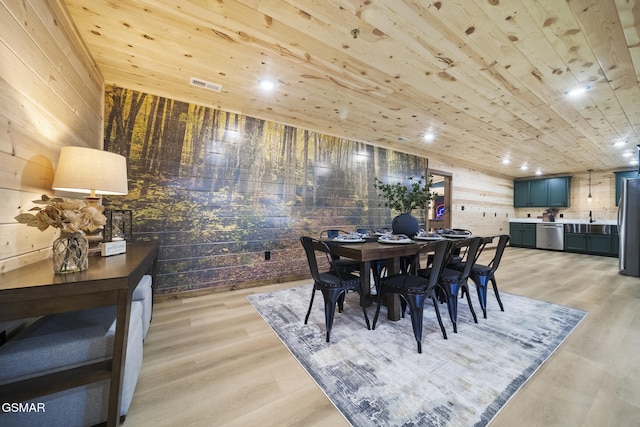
<point>589,196</point>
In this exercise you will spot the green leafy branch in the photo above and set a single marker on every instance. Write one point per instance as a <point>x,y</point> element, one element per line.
<point>405,199</point>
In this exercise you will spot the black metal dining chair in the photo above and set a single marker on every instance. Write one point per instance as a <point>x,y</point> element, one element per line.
<point>482,274</point>
<point>453,282</point>
<point>334,284</point>
<point>345,265</point>
<point>414,289</point>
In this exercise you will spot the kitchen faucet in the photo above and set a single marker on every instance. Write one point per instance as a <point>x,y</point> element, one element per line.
<point>591,220</point>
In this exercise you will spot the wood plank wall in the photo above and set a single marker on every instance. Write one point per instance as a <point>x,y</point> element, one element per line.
<point>51,95</point>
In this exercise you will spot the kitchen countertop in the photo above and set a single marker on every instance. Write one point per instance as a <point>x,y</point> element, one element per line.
<point>565,221</point>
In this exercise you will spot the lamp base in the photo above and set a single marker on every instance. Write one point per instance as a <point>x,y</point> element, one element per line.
<point>95,239</point>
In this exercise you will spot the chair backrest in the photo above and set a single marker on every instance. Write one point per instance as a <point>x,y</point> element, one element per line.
<point>331,233</point>
<point>473,244</point>
<point>438,263</point>
<point>502,243</point>
<point>310,246</point>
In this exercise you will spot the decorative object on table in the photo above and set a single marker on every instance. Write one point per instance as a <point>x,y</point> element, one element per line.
<point>463,381</point>
<point>70,253</point>
<point>113,248</point>
<point>97,172</point>
<point>403,199</point>
<point>74,219</point>
<point>119,225</point>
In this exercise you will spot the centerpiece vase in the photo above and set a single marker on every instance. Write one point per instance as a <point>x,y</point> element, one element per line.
<point>70,253</point>
<point>405,224</point>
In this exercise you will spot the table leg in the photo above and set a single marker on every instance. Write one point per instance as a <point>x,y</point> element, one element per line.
<point>365,282</point>
<point>393,300</point>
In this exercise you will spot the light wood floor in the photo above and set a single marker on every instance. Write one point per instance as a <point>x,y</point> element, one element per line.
<point>212,361</point>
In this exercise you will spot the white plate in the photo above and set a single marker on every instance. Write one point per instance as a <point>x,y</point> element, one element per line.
<point>337,239</point>
<point>456,236</point>
<point>428,238</point>
<point>401,241</point>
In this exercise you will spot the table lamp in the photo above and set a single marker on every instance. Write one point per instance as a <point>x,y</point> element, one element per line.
<point>87,170</point>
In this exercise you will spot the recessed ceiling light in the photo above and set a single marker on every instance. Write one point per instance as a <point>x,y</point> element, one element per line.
<point>524,167</point>
<point>506,161</point>
<point>627,154</point>
<point>266,84</point>
<point>620,143</point>
<point>577,91</point>
<point>429,136</point>
<point>538,172</point>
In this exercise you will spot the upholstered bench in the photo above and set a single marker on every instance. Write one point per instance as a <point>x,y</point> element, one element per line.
<point>63,341</point>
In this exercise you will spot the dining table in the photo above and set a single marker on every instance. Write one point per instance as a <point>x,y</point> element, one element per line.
<point>370,250</point>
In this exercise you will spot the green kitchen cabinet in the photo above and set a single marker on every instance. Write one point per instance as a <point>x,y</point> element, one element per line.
<point>521,192</point>
<point>522,234</point>
<point>541,193</point>
<point>558,192</point>
<point>599,244</point>
<point>575,242</point>
<point>615,242</point>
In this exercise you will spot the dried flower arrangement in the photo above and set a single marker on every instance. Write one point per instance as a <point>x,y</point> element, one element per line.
<point>68,215</point>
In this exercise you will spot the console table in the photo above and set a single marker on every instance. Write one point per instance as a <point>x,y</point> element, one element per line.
<point>34,290</point>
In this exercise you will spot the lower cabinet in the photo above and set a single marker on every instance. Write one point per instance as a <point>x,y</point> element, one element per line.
<point>522,234</point>
<point>595,244</point>
<point>575,242</point>
<point>615,242</point>
<point>599,244</point>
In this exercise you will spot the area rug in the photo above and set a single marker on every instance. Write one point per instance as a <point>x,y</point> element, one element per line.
<point>377,377</point>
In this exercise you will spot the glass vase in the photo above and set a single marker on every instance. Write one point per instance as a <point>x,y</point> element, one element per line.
<point>70,253</point>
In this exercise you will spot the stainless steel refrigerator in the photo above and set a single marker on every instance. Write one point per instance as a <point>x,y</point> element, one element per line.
<point>629,227</point>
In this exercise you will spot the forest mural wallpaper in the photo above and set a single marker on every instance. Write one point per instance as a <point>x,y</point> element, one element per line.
<point>219,190</point>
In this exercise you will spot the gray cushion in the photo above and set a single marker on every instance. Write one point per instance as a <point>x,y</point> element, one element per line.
<point>143,293</point>
<point>62,341</point>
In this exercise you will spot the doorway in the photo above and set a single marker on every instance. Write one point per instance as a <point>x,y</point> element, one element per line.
<point>438,215</point>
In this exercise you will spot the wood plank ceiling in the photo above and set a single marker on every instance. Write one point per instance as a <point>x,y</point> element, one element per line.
<point>487,78</point>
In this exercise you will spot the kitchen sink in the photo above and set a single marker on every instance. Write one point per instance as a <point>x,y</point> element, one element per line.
<point>576,228</point>
<point>602,229</point>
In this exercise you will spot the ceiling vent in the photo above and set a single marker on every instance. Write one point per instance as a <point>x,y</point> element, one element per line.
<point>205,84</point>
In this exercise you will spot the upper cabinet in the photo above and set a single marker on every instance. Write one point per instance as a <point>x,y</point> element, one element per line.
<point>619,177</point>
<point>541,193</point>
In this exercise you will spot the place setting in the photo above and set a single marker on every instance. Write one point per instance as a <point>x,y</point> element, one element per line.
<point>354,237</point>
<point>428,236</point>
<point>397,239</point>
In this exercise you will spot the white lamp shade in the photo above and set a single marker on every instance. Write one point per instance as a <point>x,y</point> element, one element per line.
<point>86,170</point>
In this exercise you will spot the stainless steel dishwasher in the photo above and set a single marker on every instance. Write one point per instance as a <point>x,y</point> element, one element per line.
<point>550,235</point>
